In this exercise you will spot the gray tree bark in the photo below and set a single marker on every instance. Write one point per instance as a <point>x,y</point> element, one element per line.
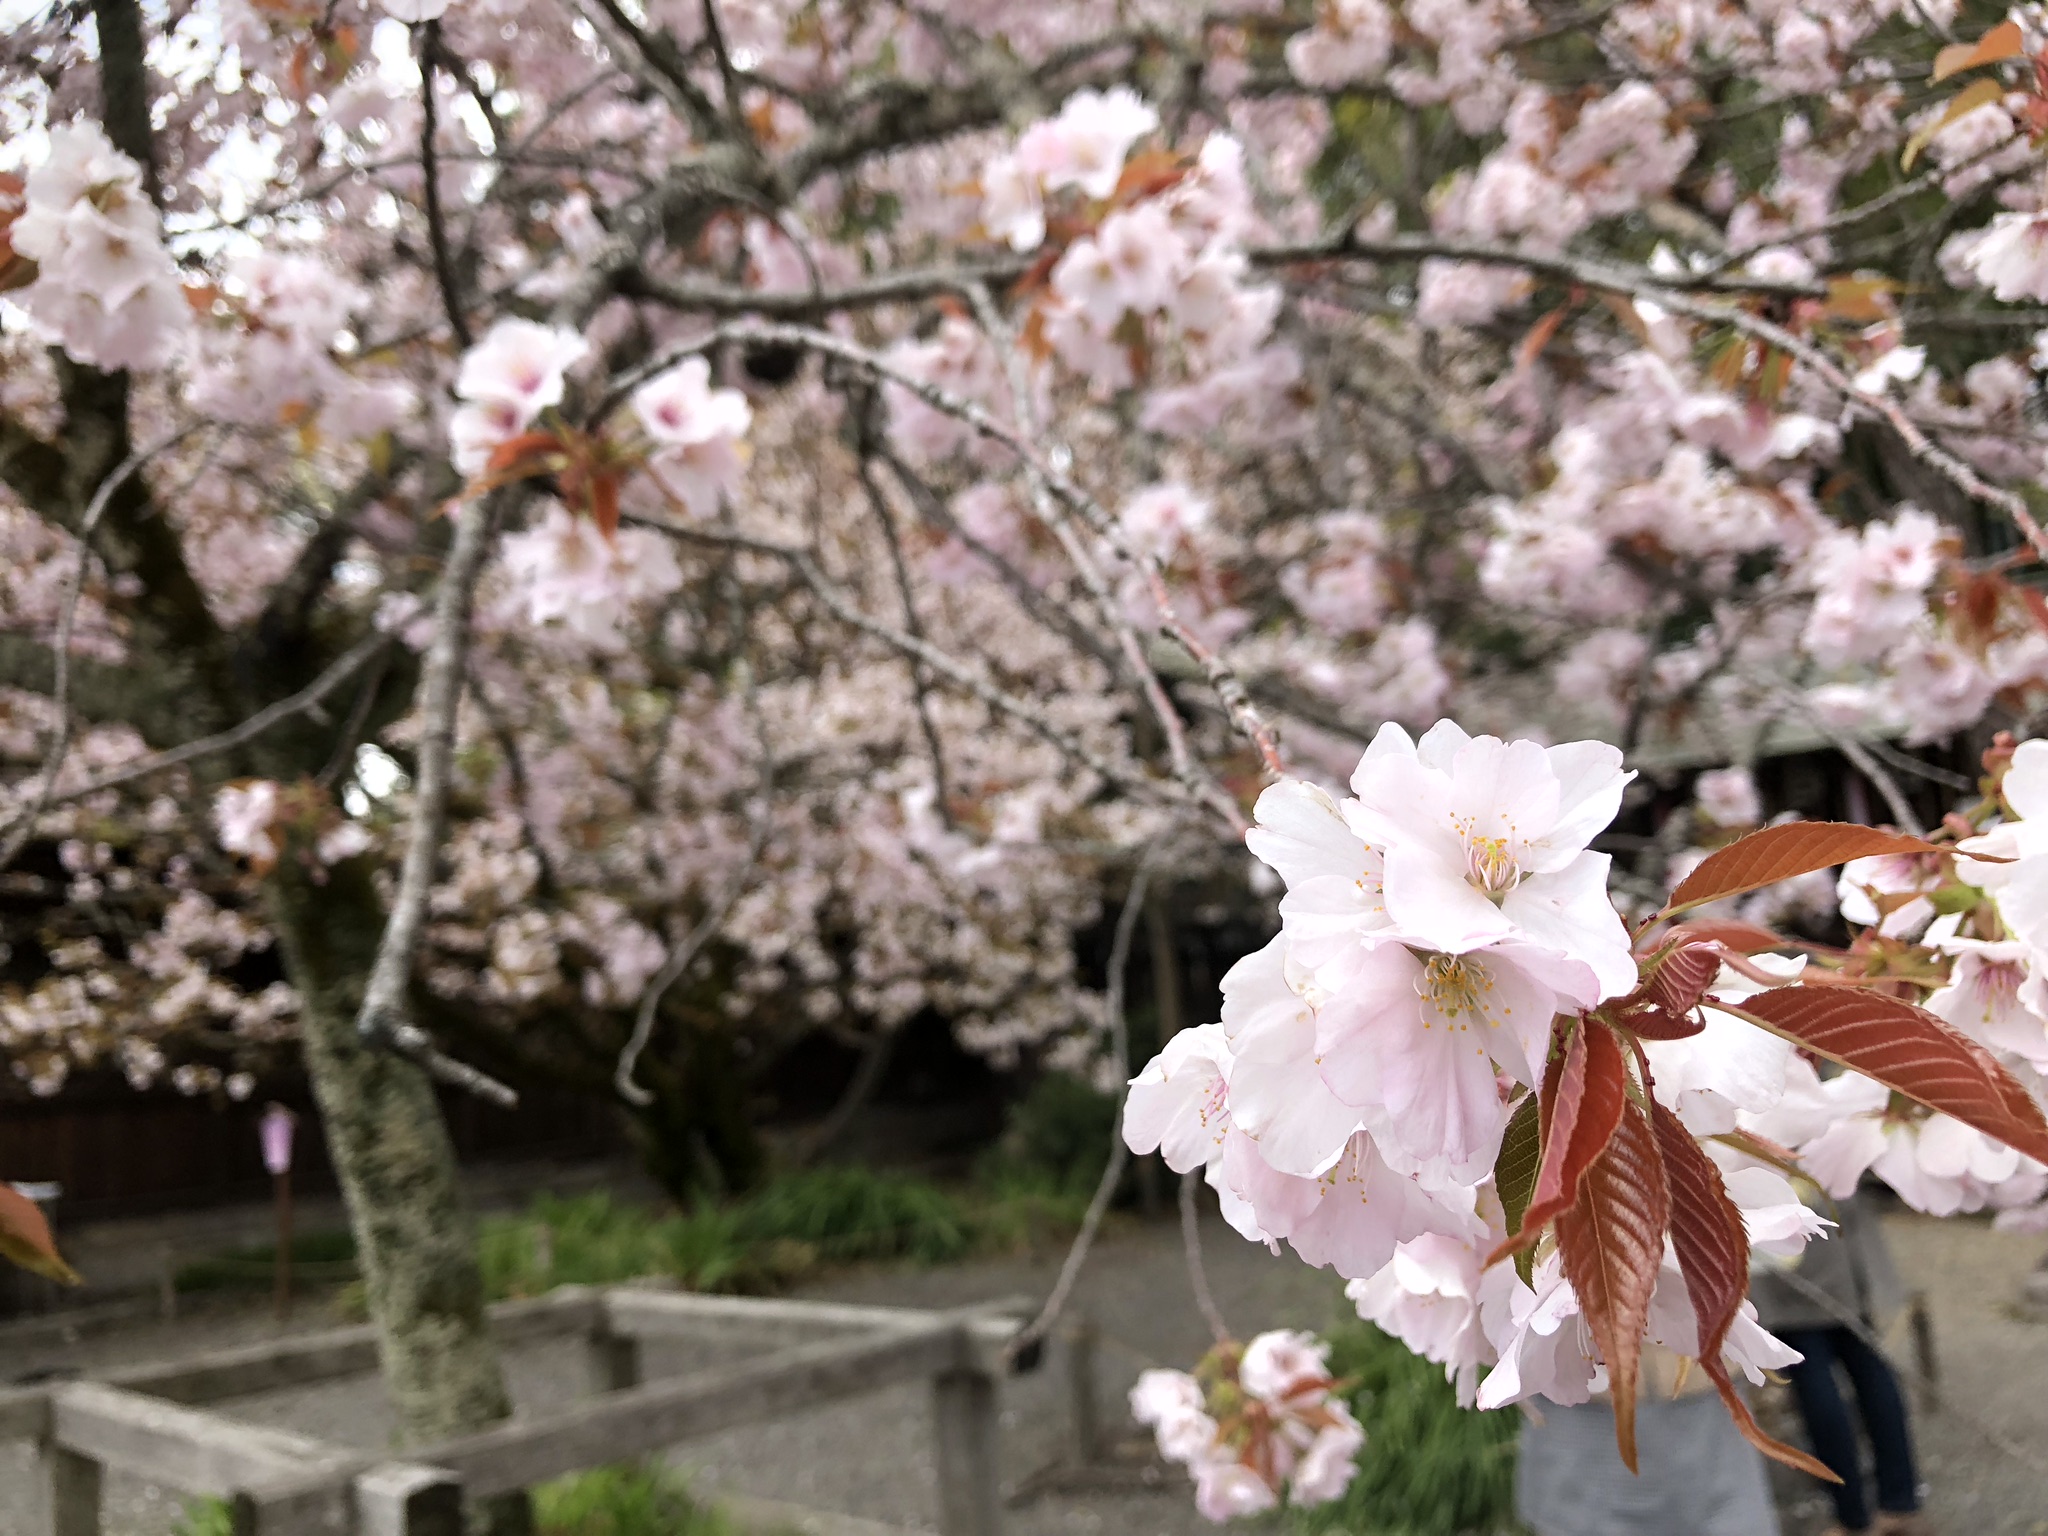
<point>389,1144</point>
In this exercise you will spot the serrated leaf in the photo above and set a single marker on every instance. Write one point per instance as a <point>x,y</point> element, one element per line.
<point>1654,1023</point>
<point>1612,1242</point>
<point>1910,1051</point>
<point>25,1238</point>
<point>1778,853</point>
<point>2002,42</point>
<point>1514,1171</point>
<point>1712,1248</point>
<point>1579,1116</point>
<point>1979,93</point>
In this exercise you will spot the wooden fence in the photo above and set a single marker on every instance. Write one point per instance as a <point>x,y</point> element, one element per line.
<point>153,1421</point>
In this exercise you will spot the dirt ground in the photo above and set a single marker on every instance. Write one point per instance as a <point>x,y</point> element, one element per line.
<point>872,1457</point>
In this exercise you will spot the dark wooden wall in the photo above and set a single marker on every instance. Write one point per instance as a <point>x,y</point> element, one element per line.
<point>117,1152</point>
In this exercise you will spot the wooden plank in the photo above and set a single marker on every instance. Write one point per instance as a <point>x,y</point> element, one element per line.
<point>260,1367</point>
<point>689,1314</point>
<point>73,1484</point>
<point>621,1425</point>
<point>319,1501</point>
<point>24,1414</point>
<point>404,1499</point>
<point>181,1447</point>
<point>967,1434</point>
<point>333,1353</point>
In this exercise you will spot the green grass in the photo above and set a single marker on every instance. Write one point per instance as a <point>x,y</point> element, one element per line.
<point>791,1228</point>
<point>204,1517</point>
<point>638,1499</point>
<point>1429,1467</point>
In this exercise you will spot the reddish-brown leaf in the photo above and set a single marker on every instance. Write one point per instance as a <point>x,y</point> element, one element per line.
<point>524,452</point>
<point>1778,853</point>
<point>1653,1023</point>
<point>2002,42</point>
<point>25,1238</point>
<point>1612,1242</point>
<point>1578,1118</point>
<point>1911,1051</point>
<point>604,504</point>
<point>1539,336</point>
<point>1675,978</point>
<point>1743,938</point>
<point>1712,1247</point>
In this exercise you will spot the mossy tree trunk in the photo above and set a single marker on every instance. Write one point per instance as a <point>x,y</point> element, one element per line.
<point>390,1148</point>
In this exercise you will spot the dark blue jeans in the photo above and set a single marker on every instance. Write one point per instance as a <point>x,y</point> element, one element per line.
<point>1833,1433</point>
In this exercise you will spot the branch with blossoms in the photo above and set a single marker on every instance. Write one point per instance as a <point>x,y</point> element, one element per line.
<point>1456,1076</point>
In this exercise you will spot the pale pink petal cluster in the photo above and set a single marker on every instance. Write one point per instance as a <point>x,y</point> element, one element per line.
<point>106,290</point>
<point>1284,1435</point>
<point>698,434</point>
<point>1082,148</point>
<point>514,372</point>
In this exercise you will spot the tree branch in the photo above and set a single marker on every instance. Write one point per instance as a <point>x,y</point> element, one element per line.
<point>382,1018</point>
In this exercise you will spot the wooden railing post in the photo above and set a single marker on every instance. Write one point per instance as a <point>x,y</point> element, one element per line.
<point>1084,1432</point>
<point>401,1499</point>
<point>966,1427</point>
<point>74,1490</point>
<point>614,1355</point>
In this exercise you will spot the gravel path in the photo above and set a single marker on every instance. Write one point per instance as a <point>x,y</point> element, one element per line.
<point>872,1456</point>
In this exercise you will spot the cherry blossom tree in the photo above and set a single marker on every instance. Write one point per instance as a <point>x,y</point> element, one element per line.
<point>608,538</point>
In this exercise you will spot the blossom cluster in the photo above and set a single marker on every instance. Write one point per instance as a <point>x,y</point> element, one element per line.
<point>1255,1425</point>
<point>105,288</point>
<point>1443,926</point>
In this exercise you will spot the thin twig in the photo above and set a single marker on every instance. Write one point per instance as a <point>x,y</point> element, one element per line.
<point>1036,720</point>
<point>1119,1150</point>
<point>920,675</point>
<point>1191,1250</point>
<point>430,174</point>
<point>679,960</point>
<point>23,825</point>
<point>303,702</point>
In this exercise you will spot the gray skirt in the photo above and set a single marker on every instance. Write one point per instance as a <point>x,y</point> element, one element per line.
<point>1699,1476</point>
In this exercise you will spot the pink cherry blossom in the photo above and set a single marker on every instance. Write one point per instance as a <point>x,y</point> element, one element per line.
<point>698,434</point>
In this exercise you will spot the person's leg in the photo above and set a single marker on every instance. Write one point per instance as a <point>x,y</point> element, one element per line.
<point>1883,1408</point>
<point>1828,1424</point>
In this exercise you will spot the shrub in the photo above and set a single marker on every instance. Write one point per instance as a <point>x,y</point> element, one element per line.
<point>637,1499</point>
<point>1429,1467</point>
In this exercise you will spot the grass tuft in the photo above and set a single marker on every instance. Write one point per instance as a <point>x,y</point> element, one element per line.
<point>636,1499</point>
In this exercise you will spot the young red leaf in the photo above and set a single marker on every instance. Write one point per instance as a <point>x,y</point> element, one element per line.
<point>1674,981</point>
<point>1592,1087</point>
<point>1660,1024</point>
<point>1712,1247</point>
<point>1910,1051</point>
<point>1743,938</point>
<point>604,504</point>
<point>1778,853</point>
<point>1612,1241</point>
<point>25,1238</point>
<point>2002,42</point>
